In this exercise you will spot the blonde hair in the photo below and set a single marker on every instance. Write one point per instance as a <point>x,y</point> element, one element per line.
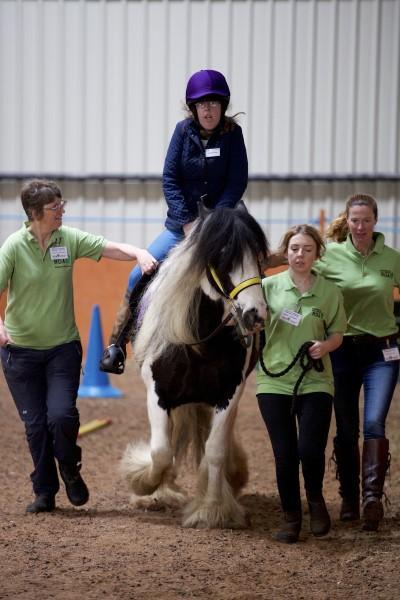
<point>338,229</point>
<point>305,230</point>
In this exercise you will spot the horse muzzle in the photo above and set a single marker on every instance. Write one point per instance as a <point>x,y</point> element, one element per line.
<point>252,320</point>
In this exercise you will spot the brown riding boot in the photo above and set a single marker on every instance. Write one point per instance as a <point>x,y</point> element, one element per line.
<point>290,528</point>
<point>121,319</point>
<point>320,521</point>
<point>375,462</point>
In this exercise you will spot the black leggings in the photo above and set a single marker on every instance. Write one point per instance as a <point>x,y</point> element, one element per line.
<point>313,412</point>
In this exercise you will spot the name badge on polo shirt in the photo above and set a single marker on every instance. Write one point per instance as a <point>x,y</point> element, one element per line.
<point>211,152</point>
<point>290,316</point>
<point>391,354</point>
<point>58,253</point>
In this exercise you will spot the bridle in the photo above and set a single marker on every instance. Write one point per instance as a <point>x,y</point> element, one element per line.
<point>235,311</point>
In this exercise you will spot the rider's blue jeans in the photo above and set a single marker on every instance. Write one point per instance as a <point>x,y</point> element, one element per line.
<point>360,362</point>
<point>159,248</point>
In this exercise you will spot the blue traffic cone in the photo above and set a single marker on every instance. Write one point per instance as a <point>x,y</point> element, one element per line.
<point>95,382</point>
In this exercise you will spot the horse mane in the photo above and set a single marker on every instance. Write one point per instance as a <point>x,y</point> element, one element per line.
<point>171,302</point>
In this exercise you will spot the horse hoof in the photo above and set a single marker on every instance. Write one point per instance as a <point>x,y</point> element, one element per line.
<point>211,517</point>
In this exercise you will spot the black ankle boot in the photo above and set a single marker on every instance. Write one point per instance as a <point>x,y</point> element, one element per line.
<point>290,528</point>
<point>320,521</point>
<point>41,503</point>
<point>350,509</point>
<point>76,488</point>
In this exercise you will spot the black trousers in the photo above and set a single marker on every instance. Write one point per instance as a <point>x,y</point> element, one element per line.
<point>295,438</point>
<point>44,385</point>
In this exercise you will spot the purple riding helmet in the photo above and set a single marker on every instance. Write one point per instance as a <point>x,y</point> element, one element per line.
<point>207,82</point>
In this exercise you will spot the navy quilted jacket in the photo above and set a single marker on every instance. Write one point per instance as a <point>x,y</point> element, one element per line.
<point>217,173</point>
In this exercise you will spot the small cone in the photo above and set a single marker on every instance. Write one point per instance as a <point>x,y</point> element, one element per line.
<point>95,383</point>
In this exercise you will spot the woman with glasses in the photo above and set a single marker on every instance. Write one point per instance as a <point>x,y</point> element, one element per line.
<point>206,161</point>
<point>40,349</point>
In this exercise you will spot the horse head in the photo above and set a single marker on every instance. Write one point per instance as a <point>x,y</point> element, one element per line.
<point>230,248</point>
<point>226,241</point>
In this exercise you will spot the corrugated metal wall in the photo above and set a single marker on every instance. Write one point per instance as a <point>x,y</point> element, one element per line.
<point>95,86</point>
<point>135,212</point>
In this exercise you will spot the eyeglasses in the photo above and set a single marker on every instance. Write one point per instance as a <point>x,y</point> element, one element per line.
<point>208,104</point>
<point>56,207</point>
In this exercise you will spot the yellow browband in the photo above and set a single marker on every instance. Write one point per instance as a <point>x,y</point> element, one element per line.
<point>241,286</point>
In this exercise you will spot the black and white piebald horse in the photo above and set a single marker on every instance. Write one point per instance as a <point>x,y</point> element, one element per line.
<point>195,349</point>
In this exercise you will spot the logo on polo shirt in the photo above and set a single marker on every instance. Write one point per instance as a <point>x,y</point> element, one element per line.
<point>387,273</point>
<point>316,312</point>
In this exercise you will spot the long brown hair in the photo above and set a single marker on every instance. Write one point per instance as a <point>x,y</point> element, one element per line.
<point>338,229</point>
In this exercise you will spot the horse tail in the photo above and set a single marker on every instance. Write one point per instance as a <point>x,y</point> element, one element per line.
<point>190,427</point>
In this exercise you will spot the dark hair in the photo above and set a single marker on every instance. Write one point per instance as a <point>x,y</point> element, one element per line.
<point>37,193</point>
<point>338,229</point>
<point>305,230</point>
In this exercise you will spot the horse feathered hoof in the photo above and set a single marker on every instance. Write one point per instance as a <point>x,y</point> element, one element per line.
<point>213,515</point>
<point>113,360</point>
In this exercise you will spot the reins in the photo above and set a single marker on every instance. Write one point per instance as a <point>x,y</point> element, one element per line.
<point>213,333</point>
<point>305,360</point>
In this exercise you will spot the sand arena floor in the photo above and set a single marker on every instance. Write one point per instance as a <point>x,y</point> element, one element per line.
<point>109,550</point>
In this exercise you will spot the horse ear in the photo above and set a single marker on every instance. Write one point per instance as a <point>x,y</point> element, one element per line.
<point>241,206</point>
<point>202,209</point>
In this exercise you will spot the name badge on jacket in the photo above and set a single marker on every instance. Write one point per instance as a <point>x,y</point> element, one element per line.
<point>211,152</point>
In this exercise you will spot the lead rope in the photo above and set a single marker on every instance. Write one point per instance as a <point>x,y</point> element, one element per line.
<point>306,363</point>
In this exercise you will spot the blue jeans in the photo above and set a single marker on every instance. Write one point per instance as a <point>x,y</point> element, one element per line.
<point>159,248</point>
<point>307,445</point>
<point>359,362</point>
<point>44,386</point>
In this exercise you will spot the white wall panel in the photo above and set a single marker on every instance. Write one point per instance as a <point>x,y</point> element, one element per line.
<point>323,87</point>
<point>388,118</point>
<point>302,108</point>
<point>72,145</point>
<point>136,90</point>
<point>10,96</point>
<point>345,88</point>
<point>259,114</point>
<point>96,86</point>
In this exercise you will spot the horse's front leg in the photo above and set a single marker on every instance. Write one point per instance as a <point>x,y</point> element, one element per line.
<point>148,467</point>
<point>222,472</point>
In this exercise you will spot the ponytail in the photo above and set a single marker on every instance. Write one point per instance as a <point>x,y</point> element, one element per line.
<point>337,230</point>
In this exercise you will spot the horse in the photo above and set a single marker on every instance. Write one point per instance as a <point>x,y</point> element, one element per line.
<point>194,346</point>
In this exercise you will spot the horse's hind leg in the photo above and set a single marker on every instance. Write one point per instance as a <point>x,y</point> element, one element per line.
<point>149,468</point>
<point>220,477</point>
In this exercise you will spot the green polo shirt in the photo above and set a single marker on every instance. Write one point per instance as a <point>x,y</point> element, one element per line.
<point>40,304</point>
<point>321,313</point>
<point>366,283</point>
